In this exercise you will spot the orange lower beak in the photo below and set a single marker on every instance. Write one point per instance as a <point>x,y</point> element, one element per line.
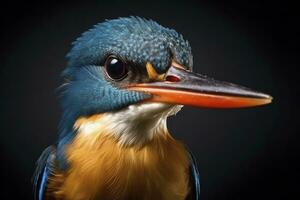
<point>187,88</point>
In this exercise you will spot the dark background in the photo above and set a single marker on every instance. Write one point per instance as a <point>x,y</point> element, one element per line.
<point>242,154</point>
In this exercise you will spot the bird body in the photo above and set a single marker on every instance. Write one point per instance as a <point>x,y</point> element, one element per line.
<point>124,78</point>
<point>158,170</point>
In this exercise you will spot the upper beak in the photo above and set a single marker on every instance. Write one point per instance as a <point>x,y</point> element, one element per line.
<point>179,86</point>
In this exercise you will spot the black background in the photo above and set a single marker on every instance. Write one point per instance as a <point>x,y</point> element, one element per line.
<point>242,154</point>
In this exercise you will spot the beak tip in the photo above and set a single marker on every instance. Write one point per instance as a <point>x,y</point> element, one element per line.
<point>265,99</point>
<point>269,99</point>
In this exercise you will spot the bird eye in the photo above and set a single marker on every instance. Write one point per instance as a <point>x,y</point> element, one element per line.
<point>115,68</point>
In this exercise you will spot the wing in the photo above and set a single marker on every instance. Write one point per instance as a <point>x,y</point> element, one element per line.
<point>194,179</point>
<point>44,169</point>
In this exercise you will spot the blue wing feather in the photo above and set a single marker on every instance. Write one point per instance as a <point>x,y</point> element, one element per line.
<point>194,179</point>
<point>44,169</point>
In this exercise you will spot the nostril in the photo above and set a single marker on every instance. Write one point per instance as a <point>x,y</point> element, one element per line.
<point>171,78</point>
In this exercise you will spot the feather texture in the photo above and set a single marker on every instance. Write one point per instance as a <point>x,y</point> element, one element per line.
<point>106,170</point>
<point>101,168</point>
<point>194,179</point>
<point>45,169</point>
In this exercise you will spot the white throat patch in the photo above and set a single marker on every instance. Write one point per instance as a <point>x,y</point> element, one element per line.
<point>133,125</point>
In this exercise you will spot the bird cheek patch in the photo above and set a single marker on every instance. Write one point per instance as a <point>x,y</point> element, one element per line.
<point>152,74</point>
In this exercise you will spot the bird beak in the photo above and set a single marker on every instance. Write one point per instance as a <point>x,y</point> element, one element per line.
<point>180,86</point>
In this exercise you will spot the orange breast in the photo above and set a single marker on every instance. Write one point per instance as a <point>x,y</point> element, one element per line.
<point>102,169</point>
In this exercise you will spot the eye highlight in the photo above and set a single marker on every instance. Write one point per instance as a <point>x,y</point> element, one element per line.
<point>115,68</point>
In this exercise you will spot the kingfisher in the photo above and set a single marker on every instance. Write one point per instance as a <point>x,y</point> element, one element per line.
<point>123,79</point>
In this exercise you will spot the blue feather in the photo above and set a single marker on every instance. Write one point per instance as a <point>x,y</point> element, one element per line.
<point>135,39</point>
<point>43,183</point>
<point>45,167</point>
<point>194,179</point>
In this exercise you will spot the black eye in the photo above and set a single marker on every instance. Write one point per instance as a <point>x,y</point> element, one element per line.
<point>115,68</point>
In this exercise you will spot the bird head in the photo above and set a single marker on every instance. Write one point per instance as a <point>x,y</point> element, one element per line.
<point>136,73</point>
